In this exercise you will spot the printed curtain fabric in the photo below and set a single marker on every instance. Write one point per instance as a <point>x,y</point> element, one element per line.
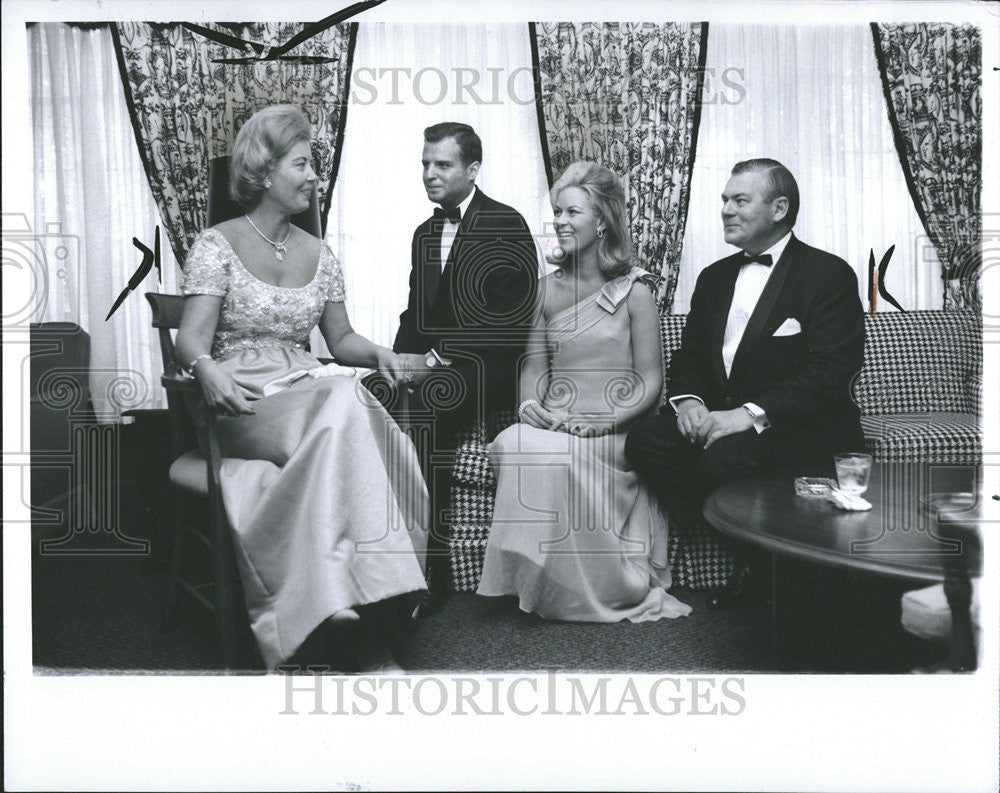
<point>932,77</point>
<point>91,197</point>
<point>627,96</point>
<point>186,110</point>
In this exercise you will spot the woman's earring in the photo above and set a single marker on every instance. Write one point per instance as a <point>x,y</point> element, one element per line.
<point>267,183</point>
<point>600,233</point>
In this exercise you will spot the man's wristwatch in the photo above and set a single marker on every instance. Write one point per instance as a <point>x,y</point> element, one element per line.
<point>432,359</point>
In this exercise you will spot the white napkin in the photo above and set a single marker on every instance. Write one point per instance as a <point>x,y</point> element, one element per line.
<point>329,370</point>
<point>849,501</point>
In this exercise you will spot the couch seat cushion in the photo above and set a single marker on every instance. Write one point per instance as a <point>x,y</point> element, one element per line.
<point>924,437</point>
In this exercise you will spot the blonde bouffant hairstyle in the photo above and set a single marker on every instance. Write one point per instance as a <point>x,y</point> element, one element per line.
<point>607,193</point>
<point>264,139</point>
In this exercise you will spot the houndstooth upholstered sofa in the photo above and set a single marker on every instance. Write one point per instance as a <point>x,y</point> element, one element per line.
<point>920,394</point>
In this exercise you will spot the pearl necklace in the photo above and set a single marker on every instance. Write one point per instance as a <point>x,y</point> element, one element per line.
<point>279,247</point>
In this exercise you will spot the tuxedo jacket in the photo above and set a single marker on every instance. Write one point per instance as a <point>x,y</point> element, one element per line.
<point>802,381</point>
<point>477,312</point>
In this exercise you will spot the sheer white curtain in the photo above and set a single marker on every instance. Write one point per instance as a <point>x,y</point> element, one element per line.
<point>812,98</point>
<point>92,197</point>
<point>407,77</point>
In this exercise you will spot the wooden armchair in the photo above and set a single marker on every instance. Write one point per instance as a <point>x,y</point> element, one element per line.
<point>195,480</point>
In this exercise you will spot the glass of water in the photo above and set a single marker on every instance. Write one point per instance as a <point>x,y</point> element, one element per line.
<point>853,470</point>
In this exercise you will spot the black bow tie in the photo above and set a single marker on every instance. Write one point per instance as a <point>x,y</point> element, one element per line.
<point>761,258</point>
<point>453,215</point>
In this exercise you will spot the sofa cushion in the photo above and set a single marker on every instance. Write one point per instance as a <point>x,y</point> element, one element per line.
<point>921,361</point>
<point>472,515</point>
<point>468,552</point>
<point>671,328</point>
<point>698,560</point>
<point>472,464</point>
<point>924,437</point>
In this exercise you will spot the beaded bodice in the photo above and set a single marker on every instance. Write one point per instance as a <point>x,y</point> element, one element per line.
<point>255,314</point>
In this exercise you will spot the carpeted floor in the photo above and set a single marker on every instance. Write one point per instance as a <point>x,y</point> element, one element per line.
<point>105,613</point>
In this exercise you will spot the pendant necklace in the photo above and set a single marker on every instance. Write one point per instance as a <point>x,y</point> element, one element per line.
<point>279,247</point>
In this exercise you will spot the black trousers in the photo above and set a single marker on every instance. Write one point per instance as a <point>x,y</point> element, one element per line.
<point>682,474</point>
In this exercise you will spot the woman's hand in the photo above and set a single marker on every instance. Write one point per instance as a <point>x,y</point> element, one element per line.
<point>221,392</point>
<point>588,427</point>
<point>534,415</point>
<point>392,365</point>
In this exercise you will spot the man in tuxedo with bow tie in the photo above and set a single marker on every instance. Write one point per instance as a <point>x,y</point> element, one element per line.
<point>763,375</point>
<point>473,284</point>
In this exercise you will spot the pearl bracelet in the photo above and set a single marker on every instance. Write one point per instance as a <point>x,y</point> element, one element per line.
<point>192,364</point>
<point>524,404</point>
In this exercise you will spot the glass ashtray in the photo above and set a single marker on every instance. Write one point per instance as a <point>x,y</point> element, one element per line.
<point>949,502</point>
<point>814,486</point>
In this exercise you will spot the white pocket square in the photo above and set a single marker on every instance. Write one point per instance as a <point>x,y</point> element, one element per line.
<point>789,327</point>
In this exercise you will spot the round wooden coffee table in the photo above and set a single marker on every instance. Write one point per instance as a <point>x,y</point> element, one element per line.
<point>899,537</point>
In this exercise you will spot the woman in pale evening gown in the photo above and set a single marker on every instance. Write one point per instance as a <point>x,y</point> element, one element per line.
<point>322,489</point>
<point>575,534</point>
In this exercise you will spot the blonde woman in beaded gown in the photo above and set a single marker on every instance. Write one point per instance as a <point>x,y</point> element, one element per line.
<point>323,491</point>
<point>576,535</point>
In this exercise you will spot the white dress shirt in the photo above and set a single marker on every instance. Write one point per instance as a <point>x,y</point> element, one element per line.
<point>750,283</point>
<point>450,230</point>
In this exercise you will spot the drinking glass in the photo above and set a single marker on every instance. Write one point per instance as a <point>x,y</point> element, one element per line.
<point>853,470</point>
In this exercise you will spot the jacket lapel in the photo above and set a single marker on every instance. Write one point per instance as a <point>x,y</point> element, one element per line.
<point>762,311</point>
<point>431,273</point>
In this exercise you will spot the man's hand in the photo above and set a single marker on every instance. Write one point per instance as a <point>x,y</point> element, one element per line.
<point>721,423</point>
<point>691,414</point>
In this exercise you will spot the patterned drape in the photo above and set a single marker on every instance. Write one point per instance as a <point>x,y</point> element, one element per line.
<point>627,96</point>
<point>932,77</point>
<point>187,110</point>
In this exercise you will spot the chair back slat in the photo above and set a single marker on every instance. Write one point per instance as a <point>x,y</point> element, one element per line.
<point>167,309</point>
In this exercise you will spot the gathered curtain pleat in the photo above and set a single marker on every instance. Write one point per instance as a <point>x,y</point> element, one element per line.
<point>932,78</point>
<point>186,110</point>
<point>627,96</point>
<point>91,197</point>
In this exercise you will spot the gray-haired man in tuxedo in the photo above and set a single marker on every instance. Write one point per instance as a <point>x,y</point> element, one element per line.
<point>762,378</point>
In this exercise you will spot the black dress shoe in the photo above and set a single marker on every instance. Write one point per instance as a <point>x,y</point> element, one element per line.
<point>431,604</point>
<point>744,588</point>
